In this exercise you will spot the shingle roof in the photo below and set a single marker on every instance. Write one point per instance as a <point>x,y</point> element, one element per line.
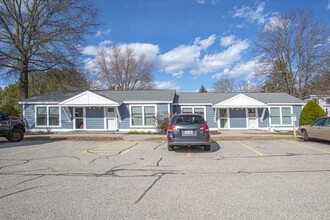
<point>166,96</point>
<point>215,98</point>
<point>118,96</point>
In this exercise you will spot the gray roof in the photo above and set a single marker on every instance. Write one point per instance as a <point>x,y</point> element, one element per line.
<point>166,96</point>
<point>215,98</point>
<point>117,96</point>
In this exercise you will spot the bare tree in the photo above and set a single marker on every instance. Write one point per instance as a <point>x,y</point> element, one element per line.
<point>224,85</point>
<point>122,70</point>
<point>38,35</point>
<point>295,46</point>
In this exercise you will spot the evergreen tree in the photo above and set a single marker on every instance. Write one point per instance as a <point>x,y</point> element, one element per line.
<point>202,90</point>
<point>310,113</point>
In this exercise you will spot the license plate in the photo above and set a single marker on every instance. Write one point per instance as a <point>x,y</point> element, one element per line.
<point>188,132</point>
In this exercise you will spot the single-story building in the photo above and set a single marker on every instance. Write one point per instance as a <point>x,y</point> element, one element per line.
<point>136,110</point>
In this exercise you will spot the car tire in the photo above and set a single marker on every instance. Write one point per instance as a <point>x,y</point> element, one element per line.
<point>170,148</point>
<point>305,135</point>
<point>16,135</point>
<point>207,147</point>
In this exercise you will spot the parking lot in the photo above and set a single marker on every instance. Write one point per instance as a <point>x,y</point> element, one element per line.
<point>250,179</point>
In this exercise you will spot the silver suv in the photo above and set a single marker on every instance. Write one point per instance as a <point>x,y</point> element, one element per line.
<point>187,130</point>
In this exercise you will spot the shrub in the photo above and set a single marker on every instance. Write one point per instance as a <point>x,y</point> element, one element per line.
<point>142,132</point>
<point>162,123</point>
<point>310,113</point>
<point>149,132</point>
<point>8,109</point>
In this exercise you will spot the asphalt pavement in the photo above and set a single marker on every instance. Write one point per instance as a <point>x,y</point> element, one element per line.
<point>137,179</point>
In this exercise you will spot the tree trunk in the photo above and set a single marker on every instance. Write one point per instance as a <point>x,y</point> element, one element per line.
<point>24,84</point>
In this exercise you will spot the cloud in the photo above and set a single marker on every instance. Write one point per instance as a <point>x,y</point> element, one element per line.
<point>102,33</point>
<point>252,15</point>
<point>328,5</point>
<point>184,56</point>
<point>227,41</point>
<point>166,85</point>
<point>215,62</point>
<point>275,22</point>
<point>246,69</point>
<point>202,2</point>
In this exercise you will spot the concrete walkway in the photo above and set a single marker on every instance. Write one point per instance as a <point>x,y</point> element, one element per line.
<point>105,135</point>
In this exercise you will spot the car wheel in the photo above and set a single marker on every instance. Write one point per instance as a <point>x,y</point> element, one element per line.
<point>16,135</point>
<point>207,147</point>
<point>170,148</point>
<point>305,135</point>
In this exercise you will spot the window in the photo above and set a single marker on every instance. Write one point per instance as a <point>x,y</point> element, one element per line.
<point>319,122</point>
<point>252,113</point>
<point>53,116</point>
<point>143,115</point>
<point>47,116</point>
<point>195,110</point>
<point>149,115</point>
<point>41,116</point>
<point>280,115</point>
<point>327,101</point>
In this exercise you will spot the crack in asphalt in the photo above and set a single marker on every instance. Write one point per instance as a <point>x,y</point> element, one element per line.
<point>20,191</point>
<point>25,181</point>
<point>16,164</point>
<point>149,188</point>
<point>159,162</point>
<point>159,145</point>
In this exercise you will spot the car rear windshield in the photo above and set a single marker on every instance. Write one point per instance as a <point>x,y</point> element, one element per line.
<point>187,120</point>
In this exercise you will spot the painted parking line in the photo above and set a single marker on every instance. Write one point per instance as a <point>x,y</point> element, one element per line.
<point>189,152</point>
<point>37,148</point>
<point>307,146</point>
<point>261,154</point>
<point>98,147</point>
<point>135,145</point>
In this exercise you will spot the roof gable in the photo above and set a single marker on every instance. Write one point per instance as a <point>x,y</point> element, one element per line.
<point>88,98</point>
<point>240,101</point>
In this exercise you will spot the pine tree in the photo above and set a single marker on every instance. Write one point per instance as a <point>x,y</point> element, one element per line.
<point>310,113</point>
<point>202,90</point>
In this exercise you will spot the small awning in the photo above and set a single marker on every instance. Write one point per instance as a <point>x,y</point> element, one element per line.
<point>240,101</point>
<point>89,99</point>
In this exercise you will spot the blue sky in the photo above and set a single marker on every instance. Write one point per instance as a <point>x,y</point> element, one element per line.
<point>191,42</point>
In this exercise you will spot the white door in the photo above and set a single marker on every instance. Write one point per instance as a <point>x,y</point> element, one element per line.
<point>111,120</point>
<point>252,118</point>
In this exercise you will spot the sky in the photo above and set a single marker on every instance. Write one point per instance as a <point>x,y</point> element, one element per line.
<point>191,42</point>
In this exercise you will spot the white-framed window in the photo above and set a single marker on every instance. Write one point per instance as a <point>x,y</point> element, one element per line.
<point>224,117</point>
<point>281,115</point>
<point>143,115</point>
<point>194,109</point>
<point>48,116</point>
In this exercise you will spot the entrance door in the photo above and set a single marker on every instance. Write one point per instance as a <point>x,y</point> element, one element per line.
<point>224,121</point>
<point>79,118</point>
<point>111,119</point>
<point>252,118</point>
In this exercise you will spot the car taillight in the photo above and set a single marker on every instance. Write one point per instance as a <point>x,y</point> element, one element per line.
<point>171,128</point>
<point>169,139</point>
<point>205,128</point>
<point>208,139</point>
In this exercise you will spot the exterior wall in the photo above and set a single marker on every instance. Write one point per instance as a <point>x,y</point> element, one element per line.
<point>237,118</point>
<point>124,113</point>
<point>176,109</point>
<point>94,118</point>
<point>29,116</point>
<point>210,117</point>
<point>265,123</point>
<point>162,109</point>
<point>297,110</point>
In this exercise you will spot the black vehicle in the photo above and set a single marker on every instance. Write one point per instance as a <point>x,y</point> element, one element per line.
<point>12,128</point>
<point>188,129</point>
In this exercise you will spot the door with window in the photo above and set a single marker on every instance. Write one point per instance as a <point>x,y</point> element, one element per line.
<point>224,122</point>
<point>252,118</point>
<point>79,118</point>
<point>111,119</point>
